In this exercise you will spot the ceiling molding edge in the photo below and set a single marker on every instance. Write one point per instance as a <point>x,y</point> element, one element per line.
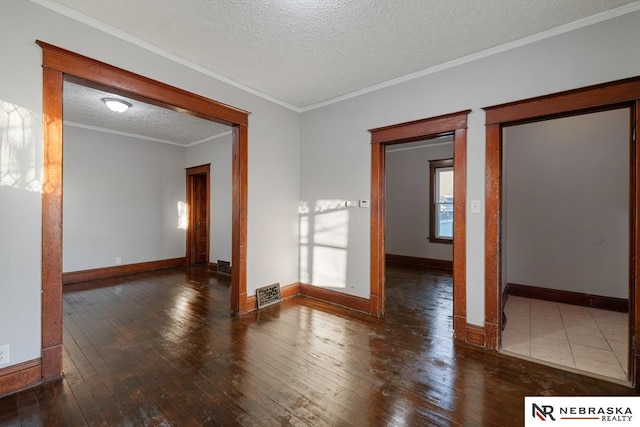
<point>209,138</point>
<point>101,26</point>
<point>562,29</point>
<point>143,137</point>
<point>94,23</point>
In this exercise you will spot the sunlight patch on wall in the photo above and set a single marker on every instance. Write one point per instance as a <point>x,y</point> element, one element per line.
<point>324,239</point>
<point>18,157</point>
<point>183,219</point>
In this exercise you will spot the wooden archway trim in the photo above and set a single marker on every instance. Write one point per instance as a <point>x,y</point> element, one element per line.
<point>620,93</point>
<point>59,64</point>
<point>449,124</point>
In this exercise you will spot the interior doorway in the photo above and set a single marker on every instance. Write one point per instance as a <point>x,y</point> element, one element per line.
<point>565,245</point>
<point>453,125</point>
<point>608,96</point>
<point>60,64</point>
<point>198,205</point>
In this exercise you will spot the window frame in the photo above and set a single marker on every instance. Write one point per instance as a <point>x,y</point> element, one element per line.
<point>434,165</point>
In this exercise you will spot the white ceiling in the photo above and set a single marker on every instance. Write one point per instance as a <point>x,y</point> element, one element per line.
<point>83,107</point>
<point>304,52</point>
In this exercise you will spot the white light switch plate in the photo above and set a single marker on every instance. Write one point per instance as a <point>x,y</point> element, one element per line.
<point>475,206</point>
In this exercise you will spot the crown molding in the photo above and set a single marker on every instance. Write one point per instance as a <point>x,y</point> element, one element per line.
<point>594,19</point>
<point>122,35</point>
<point>143,137</point>
<point>562,29</point>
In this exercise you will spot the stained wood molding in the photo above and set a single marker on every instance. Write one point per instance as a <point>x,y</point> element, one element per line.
<point>321,294</point>
<point>337,298</point>
<point>121,270</point>
<point>448,124</point>
<point>616,94</point>
<point>213,266</point>
<point>20,376</point>
<point>420,263</point>
<point>475,335</point>
<point>58,65</point>
<point>569,297</point>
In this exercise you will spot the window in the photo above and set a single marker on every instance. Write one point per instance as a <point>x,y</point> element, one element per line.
<point>441,201</point>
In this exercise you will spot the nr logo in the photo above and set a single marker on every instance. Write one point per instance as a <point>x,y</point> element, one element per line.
<point>542,412</point>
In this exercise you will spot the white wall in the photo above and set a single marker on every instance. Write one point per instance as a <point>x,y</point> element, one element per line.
<point>120,199</point>
<point>568,203</point>
<point>218,152</point>
<point>336,152</point>
<point>407,201</point>
<point>274,169</point>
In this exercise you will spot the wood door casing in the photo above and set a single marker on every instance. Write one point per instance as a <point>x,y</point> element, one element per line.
<point>201,215</point>
<point>198,202</point>
<point>605,96</point>
<point>59,64</point>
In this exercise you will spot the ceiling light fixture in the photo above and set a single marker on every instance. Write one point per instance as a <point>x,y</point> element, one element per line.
<point>116,105</point>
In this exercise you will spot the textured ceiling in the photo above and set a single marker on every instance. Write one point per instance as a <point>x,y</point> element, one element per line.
<point>83,106</point>
<point>304,52</point>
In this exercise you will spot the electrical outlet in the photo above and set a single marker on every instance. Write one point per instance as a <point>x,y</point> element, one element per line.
<point>118,260</point>
<point>4,354</point>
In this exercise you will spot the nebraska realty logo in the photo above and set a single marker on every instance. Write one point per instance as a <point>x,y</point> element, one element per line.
<point>581,410</point>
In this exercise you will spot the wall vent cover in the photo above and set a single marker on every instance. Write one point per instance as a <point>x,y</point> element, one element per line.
<point>268,295</point>
<point>224,267</point>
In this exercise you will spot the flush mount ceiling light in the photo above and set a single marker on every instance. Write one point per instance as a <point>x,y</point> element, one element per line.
<point>116,105</point>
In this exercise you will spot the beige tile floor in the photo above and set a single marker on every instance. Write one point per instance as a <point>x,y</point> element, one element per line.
<point>579,338</point>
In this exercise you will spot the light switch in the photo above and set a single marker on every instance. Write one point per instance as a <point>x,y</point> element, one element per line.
<point>475,206</point>
<point>364,203</point>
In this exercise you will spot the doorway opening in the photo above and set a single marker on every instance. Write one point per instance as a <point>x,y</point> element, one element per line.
<point>59,65</point>
<point>419,202</point>
<point>198,203</point>
<point>453,126</point>
<point>623,94</point>
<point>565,245</point>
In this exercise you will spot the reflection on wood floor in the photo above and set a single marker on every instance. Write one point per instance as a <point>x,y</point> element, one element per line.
<point>160,349</point>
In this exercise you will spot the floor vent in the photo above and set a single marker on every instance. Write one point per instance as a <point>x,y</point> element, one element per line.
<point>224,267</point>
<point>268,295</point>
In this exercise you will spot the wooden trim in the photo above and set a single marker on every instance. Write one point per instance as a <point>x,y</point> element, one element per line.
<point>51,223</point>
<point>191,172</point>
<point>475,335</point>
<point>377,230</point>
<point>138,87</point>
<point>434,165</point>
<point>286,292</point>
<point>213,266</point>
<point>460,228</point>
<point>336,298</point>
<point>20,376</point>
<point>493,197</point>
<point>58,62</point>
<point>634,245</point>
<point>456,124</point>
<point>561,103</point>
<point>120,270</point>
<point>621,93</point>
<point>420,129</point>
<point>239,302</point>
<point>420,263</point>
<point>569,297</point>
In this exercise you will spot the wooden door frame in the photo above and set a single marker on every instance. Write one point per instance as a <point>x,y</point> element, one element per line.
<point>449,124</point>
<point>59,65</point>
<point>190,174</point>
<point>621,93</point>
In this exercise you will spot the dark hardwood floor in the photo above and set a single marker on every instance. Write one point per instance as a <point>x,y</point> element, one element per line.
<point>160,349</point>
